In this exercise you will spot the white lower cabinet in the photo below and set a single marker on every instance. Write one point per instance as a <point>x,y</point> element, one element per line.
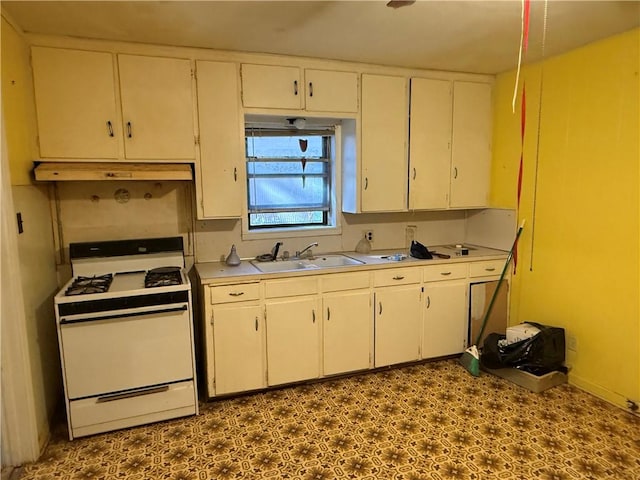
<point>445,318</point>
<point>238,343</point>
<point>397,314</point>
<point>277,331</point>
<point>346,331</point>
<point>293,339</point>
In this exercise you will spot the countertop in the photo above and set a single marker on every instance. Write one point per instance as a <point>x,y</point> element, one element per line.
<point>217,272</point>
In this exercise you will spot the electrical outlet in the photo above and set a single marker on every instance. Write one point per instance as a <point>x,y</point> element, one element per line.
<point>410,233</point>
<point>572,343</point>
<point>368,235</point>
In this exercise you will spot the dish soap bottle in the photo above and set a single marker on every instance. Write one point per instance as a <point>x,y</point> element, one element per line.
<point>233,259</point>
<point>364,245</point>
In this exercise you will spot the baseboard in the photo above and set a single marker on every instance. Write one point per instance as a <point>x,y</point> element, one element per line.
<point>607,395</point>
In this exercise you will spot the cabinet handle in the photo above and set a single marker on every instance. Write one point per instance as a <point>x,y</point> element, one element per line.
<point>366,182</point>
<point>236,294</point>
<point>490,269</point>
<point>256,324</point>
<point>380,309</point>
<point>313,314</point>
<point>328,314</point>
<point>129,134</point>
<point>455,172</point>
<point>445,273</point>
<point>295,87</point>
<point>398,277</point>
<point>311,89</point>
<point>235,174</point>
<point>110,128</point>
<point>414,173</point>
<point>428,301</point>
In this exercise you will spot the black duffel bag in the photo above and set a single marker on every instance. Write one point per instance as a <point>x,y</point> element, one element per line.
<point>540,354</point>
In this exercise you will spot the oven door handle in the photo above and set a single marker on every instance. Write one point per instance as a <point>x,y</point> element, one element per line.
<point>65,321</point>
<point>136,393</point>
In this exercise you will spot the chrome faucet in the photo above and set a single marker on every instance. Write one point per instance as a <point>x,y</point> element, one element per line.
<point>299,254</point>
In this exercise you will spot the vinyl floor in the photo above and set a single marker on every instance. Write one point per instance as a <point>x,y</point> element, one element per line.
<point>425,421</point>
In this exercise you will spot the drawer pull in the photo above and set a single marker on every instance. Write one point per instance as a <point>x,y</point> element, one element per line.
<point>380,311</point>
<point>295,87</point>
<point>129,130</point>
<point>110,128</point>
<point>445,273</point>
<point>137,393</point>
<point>399,277</point>
<point>428,301</point>
<point>236,294</point>
<point>256,324</point>
<point>490,269</point>
<point>311,89</point>
<point>328,314</point>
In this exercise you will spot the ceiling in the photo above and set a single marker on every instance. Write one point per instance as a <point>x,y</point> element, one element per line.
<point>466,36</point>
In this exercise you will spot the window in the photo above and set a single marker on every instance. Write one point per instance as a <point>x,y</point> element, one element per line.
<point>288,178</point>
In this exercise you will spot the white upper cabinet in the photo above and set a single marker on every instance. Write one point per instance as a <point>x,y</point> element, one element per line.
<point>79,116</point>
<point>157,107</point>
<point>329,91</point>
<point>292,88</point>
<point>471,152</point>
<point>450,144</point>
<point>384,138</point>
<point>219,183</point>
<point>430,144</point>
<point>76,103</point>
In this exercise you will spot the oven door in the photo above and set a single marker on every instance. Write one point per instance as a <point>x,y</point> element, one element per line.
<point>121,351</point>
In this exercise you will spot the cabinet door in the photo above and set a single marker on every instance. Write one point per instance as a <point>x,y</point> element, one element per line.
<point>268,86</point>
<point>238,343</point>
<point>471,152</point>
<point>430,144</point>
<point>76,103</point>
<point>397,324</point>
<point>157,107</point>
<point>385,116</point>
<point>445,319</point>
<point>221,141</point>
<point>346,331</point>
<point>328,91</point>
<point>293,340</point>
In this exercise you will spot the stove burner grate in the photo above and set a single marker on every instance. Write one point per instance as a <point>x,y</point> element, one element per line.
<point>85,285</point>
<point>163,277</point>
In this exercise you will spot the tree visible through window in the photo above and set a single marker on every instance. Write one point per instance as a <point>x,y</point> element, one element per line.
<point>288,178</point>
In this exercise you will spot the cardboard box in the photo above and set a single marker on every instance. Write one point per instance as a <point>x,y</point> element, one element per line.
<point>520,332</point>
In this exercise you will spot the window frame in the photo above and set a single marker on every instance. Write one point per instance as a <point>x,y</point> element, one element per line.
<point>333,226</point>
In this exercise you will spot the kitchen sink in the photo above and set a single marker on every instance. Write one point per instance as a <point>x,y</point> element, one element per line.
<point>320,261</point>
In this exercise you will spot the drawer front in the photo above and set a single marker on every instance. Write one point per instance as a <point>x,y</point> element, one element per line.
<point>487,268</point>
<point>345,281</point>
<point>396,276</point>
<point>445,271</point>
<point>132,408</point>
<point>291,287</point>
<point>235,293</point>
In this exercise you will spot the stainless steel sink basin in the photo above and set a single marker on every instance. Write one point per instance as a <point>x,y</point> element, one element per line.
<point>315,263</point>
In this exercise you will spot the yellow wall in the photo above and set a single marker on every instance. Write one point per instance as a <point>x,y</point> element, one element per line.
<point>579,262</point>
<point>18,104</point>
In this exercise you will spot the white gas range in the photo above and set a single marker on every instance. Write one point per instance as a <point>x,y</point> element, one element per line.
<point>125,331</point>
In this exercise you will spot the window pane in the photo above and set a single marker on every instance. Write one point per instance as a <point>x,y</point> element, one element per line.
<point>285,147</point>
<point>277,219</point>
<point>275,167</point>
<point>287,192</point>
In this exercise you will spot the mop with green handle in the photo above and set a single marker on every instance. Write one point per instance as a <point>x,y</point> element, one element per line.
<point>470,359</point>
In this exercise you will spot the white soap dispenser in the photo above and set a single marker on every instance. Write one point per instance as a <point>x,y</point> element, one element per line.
<point>233,259</point>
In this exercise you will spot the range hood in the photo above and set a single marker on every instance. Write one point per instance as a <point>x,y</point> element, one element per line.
<point>76,171</point>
